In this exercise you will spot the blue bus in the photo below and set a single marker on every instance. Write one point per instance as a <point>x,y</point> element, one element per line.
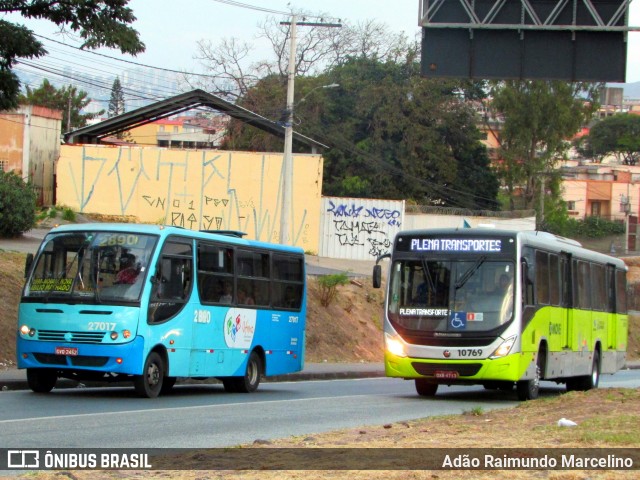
<point>151,303</point>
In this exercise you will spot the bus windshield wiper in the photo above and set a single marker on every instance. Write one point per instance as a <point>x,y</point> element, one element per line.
<point>469,273</point>
<point>427,274</point>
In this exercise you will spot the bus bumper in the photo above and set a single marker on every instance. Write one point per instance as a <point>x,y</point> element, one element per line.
<point>123,358</point>
<point>509,368</point>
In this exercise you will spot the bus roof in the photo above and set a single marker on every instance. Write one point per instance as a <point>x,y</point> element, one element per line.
<point>166,230</point>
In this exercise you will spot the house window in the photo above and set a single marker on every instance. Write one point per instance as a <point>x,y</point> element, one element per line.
<point>175,129</point>
<point>595,209</point>
<point>3,165</point>
<point>571,205</point>
<point>162,128</point>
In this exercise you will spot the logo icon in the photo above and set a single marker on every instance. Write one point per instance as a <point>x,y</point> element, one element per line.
<point>23,459</point>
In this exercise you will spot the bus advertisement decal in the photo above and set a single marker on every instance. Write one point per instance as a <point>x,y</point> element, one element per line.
<point>239,327</point>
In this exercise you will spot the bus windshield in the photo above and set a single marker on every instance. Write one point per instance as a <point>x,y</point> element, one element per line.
<point>90,267</point>
<point>430,296</point>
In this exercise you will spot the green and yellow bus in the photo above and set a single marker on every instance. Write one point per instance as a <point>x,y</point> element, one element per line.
<point>501,309</point>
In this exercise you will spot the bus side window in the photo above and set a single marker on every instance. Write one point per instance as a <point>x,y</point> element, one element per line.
<point>527,284</point>
<point>172,281</point>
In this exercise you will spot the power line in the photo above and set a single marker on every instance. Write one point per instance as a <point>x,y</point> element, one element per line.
<point>129,61</point>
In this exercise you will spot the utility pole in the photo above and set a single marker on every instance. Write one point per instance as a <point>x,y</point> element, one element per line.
<point>287,161</point>
<point>286,235</point>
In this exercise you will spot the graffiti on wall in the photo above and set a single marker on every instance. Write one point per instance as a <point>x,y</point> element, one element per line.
<point>198,190</point>
<point>362,225</point>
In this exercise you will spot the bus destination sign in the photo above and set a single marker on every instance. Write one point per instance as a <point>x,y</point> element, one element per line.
<point>471,245</point>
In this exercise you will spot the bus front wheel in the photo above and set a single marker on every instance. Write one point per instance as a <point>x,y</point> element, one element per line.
<point>149,384</point>
<point>426,388</point>
<point>530,389</point>
<point>251,379</point>
<point>41,380</point>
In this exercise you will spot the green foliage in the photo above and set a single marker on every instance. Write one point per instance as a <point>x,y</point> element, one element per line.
<point>616,135</point>
<point>17,205</point>
<point>590,227</point>
<point>116,101</point>
<point>329,287</point>
<point>68,99</point>
<point>393,134</point>
<point>537,118</point>
<point>99,24</point>
<point>68,215</point>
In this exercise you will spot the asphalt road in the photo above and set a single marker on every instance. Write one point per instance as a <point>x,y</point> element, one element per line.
<point>199,416</point>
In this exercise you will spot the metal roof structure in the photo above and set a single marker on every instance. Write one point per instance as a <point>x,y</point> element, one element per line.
<point>92,134</point>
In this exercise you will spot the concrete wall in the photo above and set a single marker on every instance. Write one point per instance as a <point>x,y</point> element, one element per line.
<point>195,189</point>
<point>358,228</point>
<point>420,221</point>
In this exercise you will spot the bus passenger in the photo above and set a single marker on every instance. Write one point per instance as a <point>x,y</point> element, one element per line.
<point>128,271</point>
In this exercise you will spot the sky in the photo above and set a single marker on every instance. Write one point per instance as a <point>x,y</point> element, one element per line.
<point>170,28</point>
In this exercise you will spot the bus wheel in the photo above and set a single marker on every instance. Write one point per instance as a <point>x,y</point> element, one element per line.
<point>249,383</point>
<point>426,388</point>
<point>530,389</point>
<point>149,384</point>
<point>41,380</point>
<point>586,382</point>
<point>167,384</point>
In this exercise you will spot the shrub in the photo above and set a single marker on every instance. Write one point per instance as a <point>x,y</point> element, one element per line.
<point>17,205</point>
<point>329,286</point>
<point>68,215</point>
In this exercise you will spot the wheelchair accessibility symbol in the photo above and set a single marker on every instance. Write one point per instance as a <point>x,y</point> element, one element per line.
<point>458,320</point>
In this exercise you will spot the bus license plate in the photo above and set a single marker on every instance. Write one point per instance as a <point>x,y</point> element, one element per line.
<point>446,375</point>
<point>70,351</point>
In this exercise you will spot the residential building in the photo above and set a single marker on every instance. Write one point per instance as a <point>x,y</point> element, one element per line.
<point>30,146</point>
<point>180,132</point>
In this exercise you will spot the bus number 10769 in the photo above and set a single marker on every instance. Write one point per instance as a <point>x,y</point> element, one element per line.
<point>470,352</point>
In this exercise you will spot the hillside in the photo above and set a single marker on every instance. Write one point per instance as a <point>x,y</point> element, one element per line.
<point>348,330</point>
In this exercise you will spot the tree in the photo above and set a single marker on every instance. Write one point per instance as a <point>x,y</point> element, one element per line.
<point>116,102</point>
<point>617,135</point>
<point>68,99</point>
<point>17,205</point>
<point>392,133</point>
<point>99,23</point>
<point>536,119</point>
<point>318,49</point>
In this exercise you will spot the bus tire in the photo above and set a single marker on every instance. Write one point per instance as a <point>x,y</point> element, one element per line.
<point>586,382</point>
<point>149,384</point>
<point>251,379</point>
<point>530,389</point>
<point>426,388</point>
<point>41,380</point>
<point>167,384</point>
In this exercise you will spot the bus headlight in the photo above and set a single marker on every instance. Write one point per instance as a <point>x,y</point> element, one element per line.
<point>394,345</point>
<point>25,330</point>
<point>504,348</point>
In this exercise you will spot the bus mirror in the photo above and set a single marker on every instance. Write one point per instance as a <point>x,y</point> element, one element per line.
<point>27,264</point>
<point>377,276</point>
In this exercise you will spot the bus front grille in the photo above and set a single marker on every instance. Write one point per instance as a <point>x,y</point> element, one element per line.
<point>86,361</point>
<point>75,337</point>
<point>50,359</point>
<point>463,370</point>
<point>79,361</point>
